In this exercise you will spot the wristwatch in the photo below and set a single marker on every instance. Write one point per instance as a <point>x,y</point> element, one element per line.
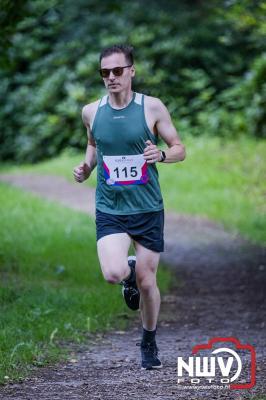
<point>163,156</point>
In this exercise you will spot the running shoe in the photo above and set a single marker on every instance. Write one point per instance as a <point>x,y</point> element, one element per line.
<point>149,355</point>
<point>130,290</point>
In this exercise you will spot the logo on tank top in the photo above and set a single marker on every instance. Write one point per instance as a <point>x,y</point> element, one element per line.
<point>119,117</point>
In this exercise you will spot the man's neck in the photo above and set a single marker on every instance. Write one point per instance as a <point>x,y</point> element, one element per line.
<point>120,100</point>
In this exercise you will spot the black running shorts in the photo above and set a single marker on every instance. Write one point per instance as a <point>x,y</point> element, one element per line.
<point>145,228</point>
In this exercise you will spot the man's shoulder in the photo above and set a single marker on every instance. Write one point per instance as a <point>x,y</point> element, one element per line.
<point>89,110</point>
<point>153,102</point>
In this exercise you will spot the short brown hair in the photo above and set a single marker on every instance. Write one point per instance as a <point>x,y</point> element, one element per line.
<point>127,50</point>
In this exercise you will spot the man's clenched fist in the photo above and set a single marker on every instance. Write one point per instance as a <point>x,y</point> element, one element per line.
<point>81,172</point>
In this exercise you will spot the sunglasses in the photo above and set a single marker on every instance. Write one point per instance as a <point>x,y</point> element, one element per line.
<point>117,71</point>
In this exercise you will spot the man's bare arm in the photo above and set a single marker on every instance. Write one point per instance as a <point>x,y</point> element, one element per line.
<point>176,150</point>
<point>84,169</point>
<point>90,155</point>
<point>165,128</point>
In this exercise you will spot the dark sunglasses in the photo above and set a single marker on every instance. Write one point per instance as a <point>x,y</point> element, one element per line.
<point>117,71</point>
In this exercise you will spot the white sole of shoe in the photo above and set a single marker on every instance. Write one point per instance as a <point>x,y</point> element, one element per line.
<point>155,367</point>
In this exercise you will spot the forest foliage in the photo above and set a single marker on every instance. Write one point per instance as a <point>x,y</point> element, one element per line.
<point>205,60</point>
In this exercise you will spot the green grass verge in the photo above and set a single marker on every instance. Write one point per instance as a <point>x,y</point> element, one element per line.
<point>220,179</point>
<point>51,287</point>
<point>62,165</point>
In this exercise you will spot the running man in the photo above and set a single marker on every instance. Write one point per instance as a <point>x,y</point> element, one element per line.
<point>123,129</point>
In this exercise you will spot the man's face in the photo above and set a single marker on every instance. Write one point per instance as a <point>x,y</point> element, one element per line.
<point>116,84</point>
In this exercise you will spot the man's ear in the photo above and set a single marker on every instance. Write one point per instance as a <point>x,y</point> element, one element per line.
<point>133,71</point>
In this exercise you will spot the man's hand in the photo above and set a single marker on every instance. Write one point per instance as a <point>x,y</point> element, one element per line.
<point>81,172</point>
<point>151,153</point>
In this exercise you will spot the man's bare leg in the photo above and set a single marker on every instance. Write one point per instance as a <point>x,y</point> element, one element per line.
<point>117,267</point>
<point>150,299</point>
<point>113,252</point>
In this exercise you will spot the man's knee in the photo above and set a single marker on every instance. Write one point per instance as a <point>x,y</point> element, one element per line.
<point>146,284</point>
<point>115,275</point>
<point>112,277</point>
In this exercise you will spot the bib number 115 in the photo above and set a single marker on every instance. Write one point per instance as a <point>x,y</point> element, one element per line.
<point>126,172</point>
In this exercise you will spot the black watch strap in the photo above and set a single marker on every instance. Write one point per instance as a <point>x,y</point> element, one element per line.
<point>163,156</point>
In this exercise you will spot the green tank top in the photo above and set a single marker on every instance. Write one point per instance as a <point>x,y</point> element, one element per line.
<point>125,183</point>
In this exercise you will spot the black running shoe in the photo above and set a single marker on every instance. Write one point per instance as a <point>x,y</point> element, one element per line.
<point>149,356</point>
<point>130,290</point>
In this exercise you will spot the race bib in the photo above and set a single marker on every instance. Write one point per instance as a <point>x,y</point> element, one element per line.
<point>125,170</point>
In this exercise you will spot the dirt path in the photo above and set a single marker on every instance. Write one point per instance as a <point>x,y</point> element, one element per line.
<point>222,294</point>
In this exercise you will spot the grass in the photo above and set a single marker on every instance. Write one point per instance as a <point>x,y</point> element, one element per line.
<point>62,165</point>
<point>223,180</point>
<point>51,287</point>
